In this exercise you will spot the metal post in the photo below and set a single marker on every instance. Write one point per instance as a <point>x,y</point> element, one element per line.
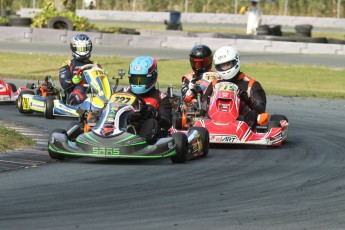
<point>186,6</point>
<point>338,8</point>
<point>236,7</point>
<point>134,2</point>
<point>286,7</point>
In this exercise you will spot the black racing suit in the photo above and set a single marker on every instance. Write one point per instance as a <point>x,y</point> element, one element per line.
<point>75,93</point>
<point>253,103</point>
<point>151,122</point>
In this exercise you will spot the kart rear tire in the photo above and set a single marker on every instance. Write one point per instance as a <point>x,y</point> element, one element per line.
<point>13,87</point>
<point>54,155</point>
<point>49,107</point>
<point>273,124</point>
<point>181,148</point>
<point>20,102</point>
<point>278,117</point>
<point>205,137</point>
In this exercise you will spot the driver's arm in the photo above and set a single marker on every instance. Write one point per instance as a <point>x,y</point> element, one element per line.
<point>65,76</point>
<point>165,113</point>
<point>259,96</point>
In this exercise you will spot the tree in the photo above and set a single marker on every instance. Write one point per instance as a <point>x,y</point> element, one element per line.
<point>65,5</point>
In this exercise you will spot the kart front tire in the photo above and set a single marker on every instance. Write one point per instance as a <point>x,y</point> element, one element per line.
<point>13,87</point>
<point>181,148</point>
<point>54,155</point>
<point>49,107</point>
<point>205,137</point>
<point>177,121</point>
<point>20,102</point>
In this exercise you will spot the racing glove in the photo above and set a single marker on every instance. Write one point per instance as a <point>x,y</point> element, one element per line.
<point>76,79</point>
<point>149,111</point>
<point>263,118</point>
<point>191,85</point>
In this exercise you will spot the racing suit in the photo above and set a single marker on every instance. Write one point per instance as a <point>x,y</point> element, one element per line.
<point>156,115</point>
<point>253,98</point>
<point>75,94</point>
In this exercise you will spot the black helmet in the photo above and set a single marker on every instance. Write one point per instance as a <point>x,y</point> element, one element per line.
<point>200,57</point>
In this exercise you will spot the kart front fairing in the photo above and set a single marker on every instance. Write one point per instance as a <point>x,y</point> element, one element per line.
<point>109,137</point>
<point>225,127</point>
<point>98,91</point>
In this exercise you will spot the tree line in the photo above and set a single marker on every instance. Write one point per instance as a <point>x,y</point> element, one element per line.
<point>313,8</point>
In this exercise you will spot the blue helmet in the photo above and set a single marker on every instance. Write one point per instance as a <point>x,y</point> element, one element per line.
<point>143,74</point>
<point>81,46</point>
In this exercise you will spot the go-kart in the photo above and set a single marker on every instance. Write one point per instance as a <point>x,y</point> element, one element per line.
<point>224,122</point>
<point>33,97</point>
<point>109,133</point>
<point>97,88</point>
<point>9,92</point>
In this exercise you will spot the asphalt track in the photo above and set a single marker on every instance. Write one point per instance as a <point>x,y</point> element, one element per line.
<point>297,186</point>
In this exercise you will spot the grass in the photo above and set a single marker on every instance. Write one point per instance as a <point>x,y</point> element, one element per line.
<point>277,79</point>
<point>10,140</point>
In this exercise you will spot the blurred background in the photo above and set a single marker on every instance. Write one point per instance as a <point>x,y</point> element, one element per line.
<point>313,8</point>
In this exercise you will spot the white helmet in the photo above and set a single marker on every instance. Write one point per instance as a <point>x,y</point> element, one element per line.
<point>227,62</point>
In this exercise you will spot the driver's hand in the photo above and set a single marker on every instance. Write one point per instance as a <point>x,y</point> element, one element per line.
<point>149,111</point>
<point>191,85</point>
<point>76,79</point>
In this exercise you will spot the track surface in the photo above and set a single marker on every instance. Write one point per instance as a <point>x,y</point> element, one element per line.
<point>297,186</point>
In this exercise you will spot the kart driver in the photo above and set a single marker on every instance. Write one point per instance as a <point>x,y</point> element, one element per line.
<point>81,47</point>
<point>157,113</point>
<point>253,97</point>
<point>47,88</point>
<point>200,57</point>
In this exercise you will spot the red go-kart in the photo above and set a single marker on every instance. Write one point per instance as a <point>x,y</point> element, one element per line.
<point>9,92</point>
<point>224,125</point>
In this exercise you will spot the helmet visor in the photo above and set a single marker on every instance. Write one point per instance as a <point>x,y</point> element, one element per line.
<point>200,63</point>
<point>226,65</point>
<point>139,79</point>
<point>84,48</point>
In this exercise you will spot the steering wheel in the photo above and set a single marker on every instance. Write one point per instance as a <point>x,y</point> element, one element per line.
<point>87,66</point>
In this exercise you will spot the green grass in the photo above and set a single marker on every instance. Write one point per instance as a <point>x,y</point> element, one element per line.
<point>10,140</point>
<point>277,79</point>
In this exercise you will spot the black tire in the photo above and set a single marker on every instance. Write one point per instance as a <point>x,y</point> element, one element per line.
<point>303,30</point>
<point>273,124</point>
<point>177,121</point>
<point>278,117</point>
<point>205,137</point>
<point>263,30</point>
<point>336,41</point>
<point>49,107</point>
<point>181,148</point>
<point>54,155</point>
<point>18,21</point>
<point>60,23</point>
<point>20,101</point>
<point>73,130</point>
<point>13,87</point>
